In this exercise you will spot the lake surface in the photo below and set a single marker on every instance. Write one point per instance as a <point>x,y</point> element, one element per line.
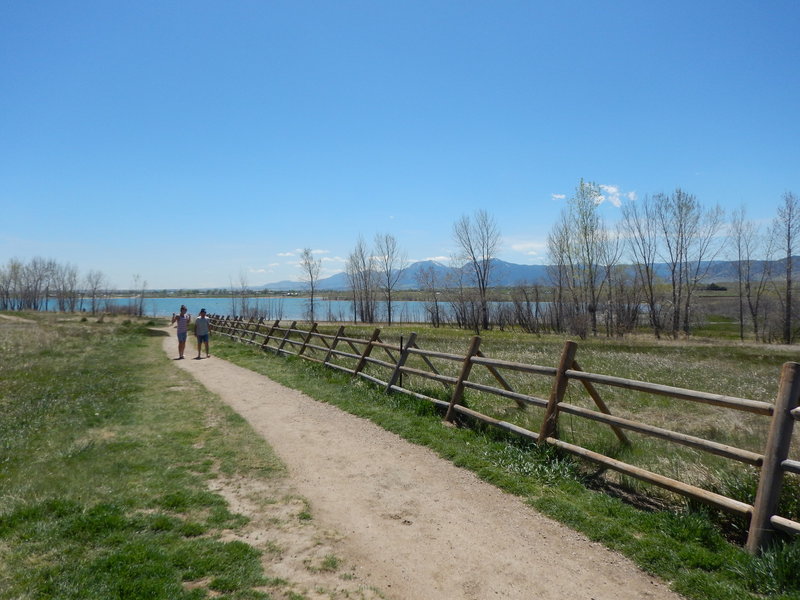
<point>288,308</point>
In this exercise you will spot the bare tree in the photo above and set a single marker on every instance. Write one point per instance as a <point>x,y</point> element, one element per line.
<point>360,272</point>
<point>477,239</point>
<point>35,280</point>
<point>557,249</point>
<point>311,267</point>
<point>588,238</point>
<point>753,274</point>
<point>428,282</point>
<point>690,236</point>
<point>139,287</point>
<point>94,284</point>
<point>641,233</point>
<point>10,285</point>
<point>390,262</point>
<point>462,296</point>
<point>578,245</point>
<point>64,281</point>
<point>786,229</point>
<point>609,254</point>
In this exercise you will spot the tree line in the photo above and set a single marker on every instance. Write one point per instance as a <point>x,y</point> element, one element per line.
<point>41,284</point>
<point>602,279</point>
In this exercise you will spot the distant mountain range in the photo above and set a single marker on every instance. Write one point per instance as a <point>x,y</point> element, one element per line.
<point>506,274</point>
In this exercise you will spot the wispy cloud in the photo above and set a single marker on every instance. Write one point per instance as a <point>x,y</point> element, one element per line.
<point>614,195</point>
<point>529,247</point>
<point>299,251</point>
<point>285,254</point>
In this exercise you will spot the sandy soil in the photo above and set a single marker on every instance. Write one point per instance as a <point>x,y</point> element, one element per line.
<point>415,526</point>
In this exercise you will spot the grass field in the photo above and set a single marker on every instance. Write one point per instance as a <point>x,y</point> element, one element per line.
<point>107,452</point>
<point>107,456</point>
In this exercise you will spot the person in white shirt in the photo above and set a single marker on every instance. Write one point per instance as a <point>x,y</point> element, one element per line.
<point>183,319</point>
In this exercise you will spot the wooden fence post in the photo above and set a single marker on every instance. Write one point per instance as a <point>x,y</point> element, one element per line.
<point>775,452</point>
<point>550,421</point>
<point>466,367</point>
<point>400,362</point>
<point>311,332</point>
<point>502,380</point>
<point>363,360</point>
<point>269,334</point>
<point>286,337</point>
<point>335,341</point>
<point>595,395</point>
<point>247,329</point>
<point>256,330</point>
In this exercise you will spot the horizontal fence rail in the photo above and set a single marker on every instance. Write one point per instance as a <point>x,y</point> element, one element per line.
<point>357,355</point>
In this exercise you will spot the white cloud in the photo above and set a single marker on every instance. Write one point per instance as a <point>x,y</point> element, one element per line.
<point>558,196</point>
<point>614,195</point>
<point>529,247</point>
<point>439,259</point>
<point>299,251</point>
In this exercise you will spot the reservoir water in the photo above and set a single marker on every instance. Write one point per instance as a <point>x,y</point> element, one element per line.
<point>284,308</point>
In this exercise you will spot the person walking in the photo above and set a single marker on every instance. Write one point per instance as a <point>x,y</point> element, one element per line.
<point>202,331</point>
<point>183,319</point>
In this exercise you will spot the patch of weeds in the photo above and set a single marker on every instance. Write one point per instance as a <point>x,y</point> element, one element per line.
<point>330,563</point>
<point>305,513</point>
<point>776,571</point>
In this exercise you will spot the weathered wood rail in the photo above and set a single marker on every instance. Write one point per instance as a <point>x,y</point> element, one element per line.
<point>354,356</point>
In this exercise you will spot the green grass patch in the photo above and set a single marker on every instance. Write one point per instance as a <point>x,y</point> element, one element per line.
<point>681,543</point>
<point>105,454</point>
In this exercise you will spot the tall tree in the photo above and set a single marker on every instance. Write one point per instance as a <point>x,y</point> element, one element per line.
<point>589,239</point>
<point>641,232</point>
<point>579,244</point>
<point>477,239</point>
<point>360,272</point>
<point>94,283</point>
<point>311,267</point>
<point>390,261</point>
<point>64,281</point>
<point>690,242</point>
<point>753,253</point>
<point>428,282</point>
<point>786,229</point>
<point>558,252</point>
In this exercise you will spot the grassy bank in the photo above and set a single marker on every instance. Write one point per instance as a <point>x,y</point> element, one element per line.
<point>685,544</point>
<point>107,455</point>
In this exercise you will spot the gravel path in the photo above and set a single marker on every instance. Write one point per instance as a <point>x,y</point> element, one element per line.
<point>417,527</point>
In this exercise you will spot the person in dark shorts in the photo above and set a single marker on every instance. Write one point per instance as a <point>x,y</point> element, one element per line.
<point>202,331</point>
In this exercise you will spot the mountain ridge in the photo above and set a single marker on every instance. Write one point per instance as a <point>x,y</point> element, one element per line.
<point>506,274</point>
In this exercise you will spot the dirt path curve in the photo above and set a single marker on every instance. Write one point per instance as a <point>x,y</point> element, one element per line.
<point>419,527</point>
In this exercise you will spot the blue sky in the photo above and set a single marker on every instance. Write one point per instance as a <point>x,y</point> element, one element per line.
<point>197,143</point>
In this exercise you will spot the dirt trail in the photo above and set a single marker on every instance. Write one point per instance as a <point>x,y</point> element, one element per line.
<point>418,527</point>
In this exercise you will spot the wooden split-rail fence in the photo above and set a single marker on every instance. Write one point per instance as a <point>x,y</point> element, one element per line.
<point>353,355</point>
